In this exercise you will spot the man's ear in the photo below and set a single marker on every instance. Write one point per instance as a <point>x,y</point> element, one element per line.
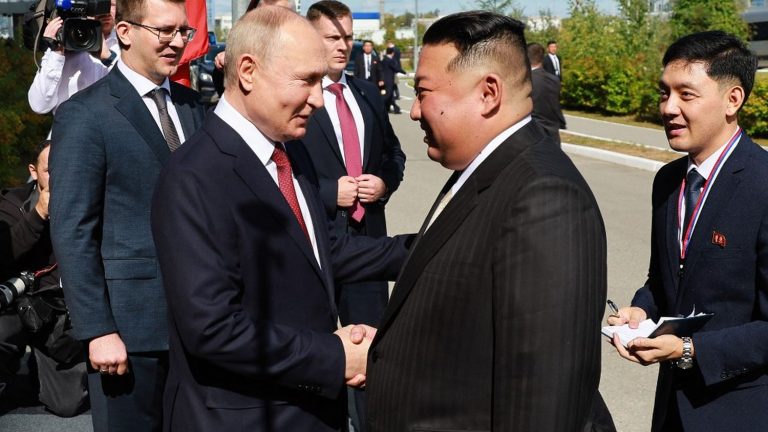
<point>122,30</point>
<point>491,89</point>
<point>247,66</point>
<point>735,100</point>
<point>32,171</point>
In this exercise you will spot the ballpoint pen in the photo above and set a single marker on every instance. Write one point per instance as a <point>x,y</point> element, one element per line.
<point>613,307</point>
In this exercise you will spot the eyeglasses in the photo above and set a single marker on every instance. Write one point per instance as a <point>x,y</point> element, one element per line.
<point>166,35</point>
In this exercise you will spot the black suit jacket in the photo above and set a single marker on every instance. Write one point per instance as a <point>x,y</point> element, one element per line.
<point>546,102</point>
<point>727,389</point>
<point>494,321</point>
<point>106,155</point>
<point>549,66</point>
<point>252,316</point>
<point>375,68</point>
<point>382,157</point>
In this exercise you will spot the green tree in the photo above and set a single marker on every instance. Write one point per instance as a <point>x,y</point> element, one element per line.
<point>20,128</point>
<point>690,16</point>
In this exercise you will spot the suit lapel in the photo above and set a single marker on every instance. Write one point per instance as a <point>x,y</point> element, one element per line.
<point>671,223</point>
<point>253,173</point>
<point>723,189</point>
<point>324,121</point>
<point>184,110</point>
<point>367,114</point>
<point>455,213</point>
<point>131,105</point>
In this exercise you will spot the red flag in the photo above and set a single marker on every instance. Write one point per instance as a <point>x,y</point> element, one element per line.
<point>198,46</point>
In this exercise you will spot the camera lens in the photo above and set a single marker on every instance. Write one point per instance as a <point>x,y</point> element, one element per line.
<point>82,37</point>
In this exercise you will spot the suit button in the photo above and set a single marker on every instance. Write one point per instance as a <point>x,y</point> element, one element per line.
<point>724,375</point>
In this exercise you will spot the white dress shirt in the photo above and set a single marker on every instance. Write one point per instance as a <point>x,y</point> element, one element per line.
<point>555,63</point>
<point>367,65</point>
<point>330,106</point>
<point>143,86</point>
<point>62,75</point>
<point>263,147</point>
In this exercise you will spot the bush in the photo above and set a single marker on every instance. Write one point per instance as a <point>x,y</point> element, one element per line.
<point>754,115</point>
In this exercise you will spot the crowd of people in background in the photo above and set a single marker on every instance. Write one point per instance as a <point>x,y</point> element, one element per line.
<point>226,268</point>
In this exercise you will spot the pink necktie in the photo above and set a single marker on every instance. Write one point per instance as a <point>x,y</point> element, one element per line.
<point>285,182</point>
<point>351,143</point>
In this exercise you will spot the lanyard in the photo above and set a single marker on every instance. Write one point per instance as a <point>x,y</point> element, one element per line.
<point>686,238</point>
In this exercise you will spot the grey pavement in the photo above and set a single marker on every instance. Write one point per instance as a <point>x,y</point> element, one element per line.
<point>616,131</point>
<point>624,197</point>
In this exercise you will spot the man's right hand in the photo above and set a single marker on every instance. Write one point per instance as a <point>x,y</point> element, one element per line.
<point>52,31</point>
<point>356,340</point>
<point>220,60</point>
<point>108,355</point>
<point>628,314</point>
<point>347,192</point>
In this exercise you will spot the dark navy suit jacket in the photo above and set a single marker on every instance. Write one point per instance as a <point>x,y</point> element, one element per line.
<point>252,313</point>
<point>106,155</point>
<point>727,389</point>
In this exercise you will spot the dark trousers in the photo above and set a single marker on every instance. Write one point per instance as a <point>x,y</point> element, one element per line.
<point>61,386</point>
<point>361,303</point>
<point>389,100</point>
<point>132,402</point>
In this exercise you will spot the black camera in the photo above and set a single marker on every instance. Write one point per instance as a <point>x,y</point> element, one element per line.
<point>79,33</point>
<point>11,289</point>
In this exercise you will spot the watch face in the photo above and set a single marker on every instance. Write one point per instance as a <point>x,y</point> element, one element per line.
<point>682,364</point>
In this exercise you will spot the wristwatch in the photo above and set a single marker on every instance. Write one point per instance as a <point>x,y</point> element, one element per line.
<point>686,361</point>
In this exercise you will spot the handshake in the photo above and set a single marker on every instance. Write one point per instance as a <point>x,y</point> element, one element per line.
<point>356,340</point>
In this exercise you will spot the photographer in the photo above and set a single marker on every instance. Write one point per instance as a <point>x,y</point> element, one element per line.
<point>38,318</point>
<point>64,73</point>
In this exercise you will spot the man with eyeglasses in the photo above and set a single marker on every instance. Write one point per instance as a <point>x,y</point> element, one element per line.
<point>111,141</point>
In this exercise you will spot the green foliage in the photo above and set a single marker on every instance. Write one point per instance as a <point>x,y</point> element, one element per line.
<point>20,128</point>
<point>615,69</point>
<point>499,6</point>
<point>754,115</point>
<point>690,16</point>
<point>548,29</point>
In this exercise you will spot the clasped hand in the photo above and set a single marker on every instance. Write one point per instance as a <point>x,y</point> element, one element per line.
<point>367,188</point>
<point>644,351</point>
<point>356,340</point>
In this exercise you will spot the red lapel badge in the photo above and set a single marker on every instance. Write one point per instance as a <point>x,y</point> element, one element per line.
<point>719,239</point>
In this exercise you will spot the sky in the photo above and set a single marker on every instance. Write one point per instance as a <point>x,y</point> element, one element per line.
<point>532,7</point>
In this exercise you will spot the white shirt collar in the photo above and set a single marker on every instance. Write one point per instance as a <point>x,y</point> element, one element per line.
<point>487,150</point>
<point>327,81</point>
<point>705,169</point>
<point>142,84</point>
<point>262,146</point>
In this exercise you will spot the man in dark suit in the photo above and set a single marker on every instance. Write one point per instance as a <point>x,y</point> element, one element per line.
<point>249,256</point>
<point>709,246</point>
<point>545,95</point>
<point>389,70</point>
<point>367,66</point>
<point>109,143</point>
<point>552,62</point>
<point>494,321</point>
<point>358,161</point>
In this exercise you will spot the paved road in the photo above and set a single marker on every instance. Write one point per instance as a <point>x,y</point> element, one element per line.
<point>619,132</point>
<point>624,198</point>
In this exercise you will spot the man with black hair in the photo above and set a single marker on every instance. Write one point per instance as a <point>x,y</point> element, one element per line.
<point>494,321</point>
<point>709,246</point>
<point>367,65</point>
<point>389,70</point>
<point>59,364</point>
<point>545,94</point>
<point>552,62</point>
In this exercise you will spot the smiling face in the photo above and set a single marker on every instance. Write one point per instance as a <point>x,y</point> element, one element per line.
<point>337,39</point>
<point>445,106</point>
<point>282,94</point>
<point>698,112</point>
<point>143,52</point>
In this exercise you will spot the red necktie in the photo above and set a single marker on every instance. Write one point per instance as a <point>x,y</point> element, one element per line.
<point>351,143</point>
<point>285,181</point>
